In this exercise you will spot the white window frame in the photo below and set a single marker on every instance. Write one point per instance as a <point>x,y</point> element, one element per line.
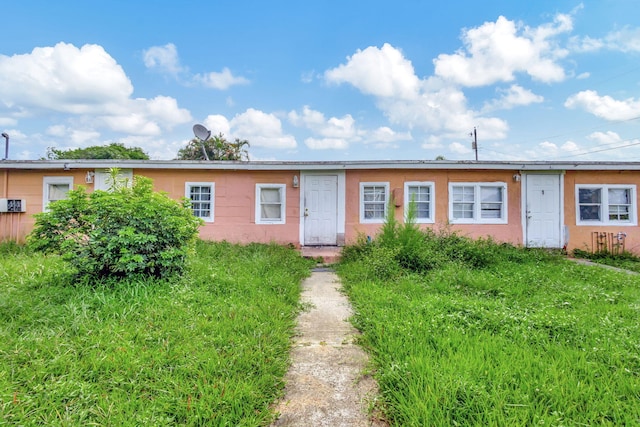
<point>283,205</point>
<point>364,220</point>
<point>48,180</point>
<point>187,194</point>
<point>604,205</point>
<point>477,203</point>
<point>432,196</point>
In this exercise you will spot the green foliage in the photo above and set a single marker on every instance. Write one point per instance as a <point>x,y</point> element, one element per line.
<point>130,230</point>
<point>407,248</point>
<point>493,334</point>
<point>217,148</point>
<point>208,348</point>
<point>625,260</point>
<point>114,150</point>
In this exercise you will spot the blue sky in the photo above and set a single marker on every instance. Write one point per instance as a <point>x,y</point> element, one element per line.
<point>325,80</point>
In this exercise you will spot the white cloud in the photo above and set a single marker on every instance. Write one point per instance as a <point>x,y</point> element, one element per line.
<point>335,132</point>
<point>63,78</point>
<point>74,137</point>
<point>261,130</point>
<point>512,97</point>
<point>495,51</point>
<point>605,137</point>
<point>87,83</point>
<point>626,39</point>
<point>8,121</point>
<point>583,76</point>
<point>218,123</point>
<point>221,81</point>
<point>385,134</point>
<point>326,143</point>
<point>570,146</point>
<point>433,104</point>
<point>458,148</point>
<point>382,72</point>
<point>163,58</point>
<point>605,106</point>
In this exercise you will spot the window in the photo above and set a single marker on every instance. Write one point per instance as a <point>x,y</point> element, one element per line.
<point>606,204</point>
<point>373,201</point>
<point>472,203</point>
<point>55,188</point>
<point>422,195</point>
<point>270,203</point>
<point>202,196</point>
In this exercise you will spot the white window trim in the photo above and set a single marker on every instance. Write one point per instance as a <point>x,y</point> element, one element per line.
<point>477,218</point>
<point>604,220</point>
<point>47,180</point>
<point>283,207</point>
<point>432,193</point>
<point>364,220</point>
<point>187,195</point>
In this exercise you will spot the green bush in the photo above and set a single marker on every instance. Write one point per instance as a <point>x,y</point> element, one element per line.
<point>130,230</point>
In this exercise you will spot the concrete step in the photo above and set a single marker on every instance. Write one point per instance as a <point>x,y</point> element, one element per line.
<point>329,254</point>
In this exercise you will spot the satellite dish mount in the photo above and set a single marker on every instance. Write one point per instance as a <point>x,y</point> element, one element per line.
<point>203,134</point>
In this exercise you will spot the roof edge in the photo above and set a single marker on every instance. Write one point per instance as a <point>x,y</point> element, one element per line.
<point>315,165</point>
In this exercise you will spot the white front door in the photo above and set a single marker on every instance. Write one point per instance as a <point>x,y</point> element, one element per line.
<point>320,209</point>
<point>543,223</point>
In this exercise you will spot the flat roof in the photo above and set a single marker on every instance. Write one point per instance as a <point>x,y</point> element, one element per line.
<point>315,165</point>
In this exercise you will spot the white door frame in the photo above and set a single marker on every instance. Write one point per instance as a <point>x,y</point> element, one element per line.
<point>340,206</point>
<point>562,239</point>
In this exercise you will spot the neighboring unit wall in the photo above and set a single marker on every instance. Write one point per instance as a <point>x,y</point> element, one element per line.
<point>582,236</point>
<point>235,203</point>
<point>509,232</point>
<point>27,185</point>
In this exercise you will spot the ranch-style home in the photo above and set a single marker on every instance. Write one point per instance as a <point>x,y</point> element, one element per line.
<point>584,205</point>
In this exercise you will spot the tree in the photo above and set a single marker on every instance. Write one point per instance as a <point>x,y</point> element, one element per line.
<point>115,150</point>
<point>121,232</point>
<point>217,147</point>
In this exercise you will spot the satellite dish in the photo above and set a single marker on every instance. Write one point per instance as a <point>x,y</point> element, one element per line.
<point>202,133</point>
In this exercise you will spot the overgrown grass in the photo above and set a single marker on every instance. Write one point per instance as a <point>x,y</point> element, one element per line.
<point>485,334</point>
<point>209,349</point>
<point>624,260</point>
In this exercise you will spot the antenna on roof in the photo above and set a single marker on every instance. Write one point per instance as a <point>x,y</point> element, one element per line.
<point>202,133</point>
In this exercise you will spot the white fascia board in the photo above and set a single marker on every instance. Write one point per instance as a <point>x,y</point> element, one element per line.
<point>315,166</point>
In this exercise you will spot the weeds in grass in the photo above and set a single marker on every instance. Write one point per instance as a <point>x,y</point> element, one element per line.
<point>491,334</point>
<point>208,349</point>
<point>624,260</point>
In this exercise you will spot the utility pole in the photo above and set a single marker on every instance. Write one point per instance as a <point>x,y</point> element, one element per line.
<point>474,143</point>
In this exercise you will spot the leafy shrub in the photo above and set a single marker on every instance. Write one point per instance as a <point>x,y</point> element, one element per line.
<point>126,231</point>
<point>406,247</point>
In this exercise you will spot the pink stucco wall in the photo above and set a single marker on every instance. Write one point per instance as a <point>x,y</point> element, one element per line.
<point>580,236</point>
<point>511,232</point>
<point>235,202</point>
<point>235,192</point>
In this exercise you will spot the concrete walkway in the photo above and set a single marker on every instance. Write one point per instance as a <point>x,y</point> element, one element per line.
<point>325,385</point>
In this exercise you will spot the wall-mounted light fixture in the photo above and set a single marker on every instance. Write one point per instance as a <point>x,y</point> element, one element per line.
<point>296,183</point>
<point>66,167</point>
<point>516,177</point>
<point>89,177</point>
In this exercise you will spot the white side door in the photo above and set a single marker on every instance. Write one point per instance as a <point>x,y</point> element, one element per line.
<point>320,209</point>
<point>543,221</point>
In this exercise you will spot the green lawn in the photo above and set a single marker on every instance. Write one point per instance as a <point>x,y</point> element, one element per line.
<point>522,339</point>
<point>209,349</point>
